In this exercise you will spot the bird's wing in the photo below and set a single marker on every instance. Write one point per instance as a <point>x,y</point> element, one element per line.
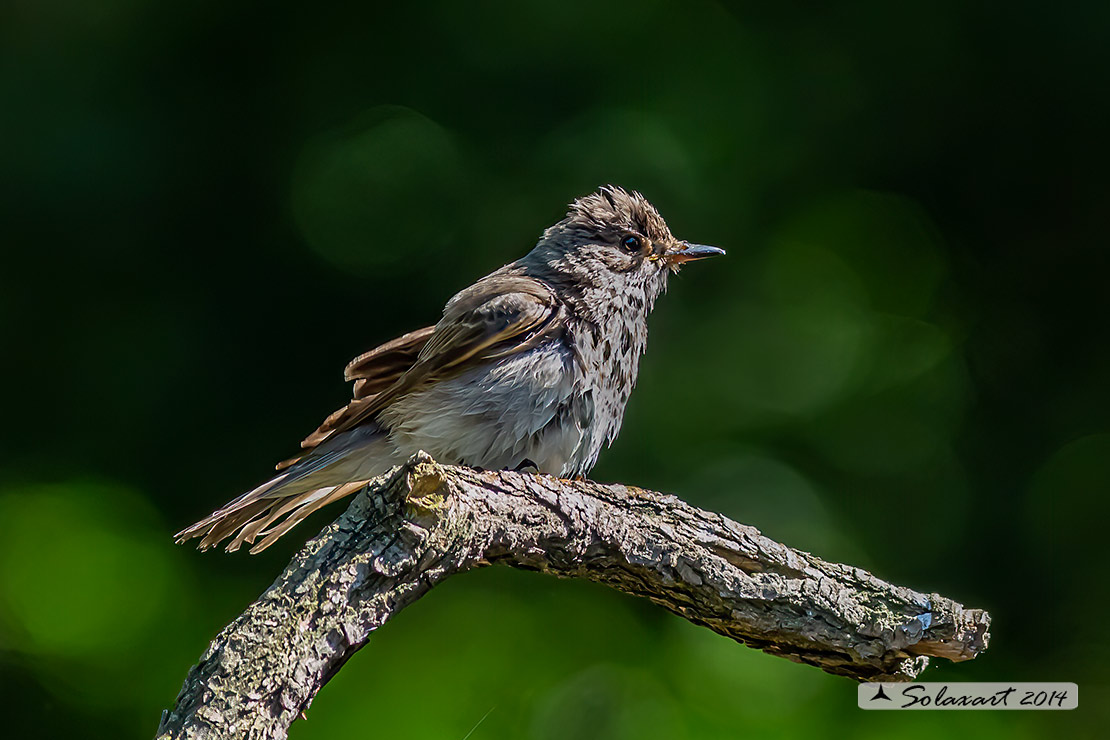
<point>372,372</point>
<point>497,316</point>
<point>376,370</point>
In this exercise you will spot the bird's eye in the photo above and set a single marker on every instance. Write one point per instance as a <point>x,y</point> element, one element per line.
<point>631,243</point>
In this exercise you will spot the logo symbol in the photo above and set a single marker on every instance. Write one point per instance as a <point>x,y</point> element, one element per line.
<point>881,695</point>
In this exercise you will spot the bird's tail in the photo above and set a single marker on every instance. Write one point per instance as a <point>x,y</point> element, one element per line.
<point>256,514</point>
<point>328,474</point>
<point>331,472</point>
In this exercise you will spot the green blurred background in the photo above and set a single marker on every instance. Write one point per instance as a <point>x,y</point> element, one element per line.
<point>903,363</point>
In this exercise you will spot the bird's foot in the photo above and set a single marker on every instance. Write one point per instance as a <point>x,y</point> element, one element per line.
<point>527,466</point>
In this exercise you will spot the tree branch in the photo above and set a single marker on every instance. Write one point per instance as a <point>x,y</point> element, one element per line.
<point>424,522</point>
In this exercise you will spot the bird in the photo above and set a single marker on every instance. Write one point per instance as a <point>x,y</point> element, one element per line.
<point>529,368</point>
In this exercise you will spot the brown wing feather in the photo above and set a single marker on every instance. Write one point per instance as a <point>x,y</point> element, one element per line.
<point>498,315</point>
<point>373,372</point>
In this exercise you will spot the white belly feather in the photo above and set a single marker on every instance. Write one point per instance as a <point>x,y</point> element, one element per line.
<point>497,416</point>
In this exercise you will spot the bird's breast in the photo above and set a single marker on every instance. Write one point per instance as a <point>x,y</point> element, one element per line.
<point>610,349</point>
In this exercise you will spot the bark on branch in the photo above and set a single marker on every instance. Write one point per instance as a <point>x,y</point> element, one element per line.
<point>424,522</point>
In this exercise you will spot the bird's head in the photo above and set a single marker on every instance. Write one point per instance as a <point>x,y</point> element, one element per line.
<point>613,238</point>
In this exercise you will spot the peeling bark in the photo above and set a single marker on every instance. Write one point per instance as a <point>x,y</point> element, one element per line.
<point>424,522</point>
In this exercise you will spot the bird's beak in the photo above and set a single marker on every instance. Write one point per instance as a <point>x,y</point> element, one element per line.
<point>686,252</point>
